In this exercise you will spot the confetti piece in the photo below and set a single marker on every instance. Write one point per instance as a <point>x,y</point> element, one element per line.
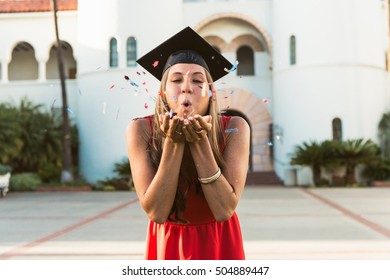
<point>104,107</point>
<point>112,86</point>
<point>146,105</point>
<point>144,83</point>
<point>80,92</point>
<point>174,97</point>
<point>69,110</point>
<point>146,90</point>
<point>210,93</point>
<point>133,83</point>
<point>171,112</point>
<point>160,94</point>
<point>138,73</point>
<point>269,143</point>
<point>234,67</point>
<point>117,113</point>
<point>127,77</point>
<point>265,100</point>
<point>232,91</point>
<point>230,130</point>
<point>155,64</point>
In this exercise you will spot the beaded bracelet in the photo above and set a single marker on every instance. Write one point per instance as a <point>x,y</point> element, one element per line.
<point>212,178</point>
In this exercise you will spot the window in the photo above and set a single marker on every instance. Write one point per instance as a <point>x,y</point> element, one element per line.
<point>245,58</point>
<point>23,65</point>
<point>70,64</point>
<point>337,129</point>
<point>131,51</point>
<point>293,50</point>
<point>113,53</point>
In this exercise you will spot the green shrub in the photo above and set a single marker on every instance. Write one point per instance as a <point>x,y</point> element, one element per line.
<point>378,169</point>
<point>4,169</point>
<point>24,182</point>
<point>49,172</point>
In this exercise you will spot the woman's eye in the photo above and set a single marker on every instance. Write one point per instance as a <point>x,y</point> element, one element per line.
<point>198,81</point>
<point>176,80</point>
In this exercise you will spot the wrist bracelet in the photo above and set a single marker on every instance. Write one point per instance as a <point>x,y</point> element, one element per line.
<point>212,178</point>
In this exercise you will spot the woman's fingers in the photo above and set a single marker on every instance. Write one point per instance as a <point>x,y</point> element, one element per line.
<point>204,122</point>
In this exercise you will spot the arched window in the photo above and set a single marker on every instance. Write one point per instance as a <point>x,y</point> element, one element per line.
<point>293,50</point>
<point>245,57</point>
<point>131,46</point>
<point>337,129</point>
<point>113,53</point>
<point>23,65</point>
<point>70,65</point>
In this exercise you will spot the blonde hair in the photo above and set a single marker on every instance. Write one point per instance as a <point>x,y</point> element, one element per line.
<point>215,136</point>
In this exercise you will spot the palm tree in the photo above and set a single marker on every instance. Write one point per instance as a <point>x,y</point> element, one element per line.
<point>315,155</point>
<point>67,173</point>
<point>11,143</point>
<point>384,135</point>
<point>354,152</point>
<point>40,135</point>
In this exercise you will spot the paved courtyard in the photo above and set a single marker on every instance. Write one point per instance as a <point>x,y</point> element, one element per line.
<point>277,223</point>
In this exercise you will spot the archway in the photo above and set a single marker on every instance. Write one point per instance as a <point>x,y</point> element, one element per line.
<point>23,65</point>
<point>239,102</point>
<point>69,62</point>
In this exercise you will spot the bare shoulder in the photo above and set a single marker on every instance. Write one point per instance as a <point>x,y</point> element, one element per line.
<point>138,129</point>
<point>137,125</point>
<point>239,124</point>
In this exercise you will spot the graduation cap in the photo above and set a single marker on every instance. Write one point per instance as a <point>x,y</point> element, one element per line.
<point>186,46</point>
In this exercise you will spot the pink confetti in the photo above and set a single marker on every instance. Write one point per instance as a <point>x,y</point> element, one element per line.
<point>112,86</point>
<point>265,100</point>
<point>155,64</point>
<point>146,105</point>
<point>144,83</point>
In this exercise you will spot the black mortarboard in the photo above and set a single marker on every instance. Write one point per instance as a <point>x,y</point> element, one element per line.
<point>187,46</point>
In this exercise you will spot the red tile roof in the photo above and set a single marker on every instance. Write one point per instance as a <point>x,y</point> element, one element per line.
<point>28,6</point>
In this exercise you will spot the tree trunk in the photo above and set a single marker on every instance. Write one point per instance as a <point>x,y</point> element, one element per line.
<point>66,174</point>
<point>350,174</point>
<point>316,173</point>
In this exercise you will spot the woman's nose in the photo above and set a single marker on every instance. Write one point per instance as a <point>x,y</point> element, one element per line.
<point>186,88</point>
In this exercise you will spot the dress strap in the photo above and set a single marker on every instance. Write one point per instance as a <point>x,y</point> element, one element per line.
<point>224,123</point>
<point>150,121</point>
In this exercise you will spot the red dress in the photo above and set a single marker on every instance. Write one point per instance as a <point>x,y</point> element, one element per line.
<point>202,238</point>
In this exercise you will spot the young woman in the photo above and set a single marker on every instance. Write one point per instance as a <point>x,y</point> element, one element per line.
<point>189,164</point>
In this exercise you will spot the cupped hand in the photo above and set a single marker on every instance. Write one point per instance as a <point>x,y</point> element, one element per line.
<point>172,128</point>
<point>197,127</point>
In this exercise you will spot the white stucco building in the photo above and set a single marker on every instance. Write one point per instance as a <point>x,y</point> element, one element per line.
<point>307,69</point>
